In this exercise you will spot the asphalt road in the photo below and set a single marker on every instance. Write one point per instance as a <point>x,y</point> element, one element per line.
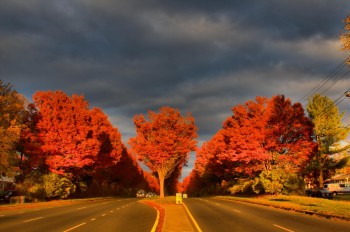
<point>220,215</point>
<point>100,215</point>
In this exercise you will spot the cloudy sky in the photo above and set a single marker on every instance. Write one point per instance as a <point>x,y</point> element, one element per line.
<point>200,56</point>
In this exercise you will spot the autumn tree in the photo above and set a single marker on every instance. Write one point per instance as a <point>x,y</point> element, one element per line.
<point>261,136</point>
<point>12,109</point>
<point>164,141</point>
<point>345,37</point>
<point>29,145</point>
<point>76,140</point>
<point>328,132</point>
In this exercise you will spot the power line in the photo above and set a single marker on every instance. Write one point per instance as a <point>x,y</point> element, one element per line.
<point>341,78</point>
<point>336,102</point>
<point>323,82</point>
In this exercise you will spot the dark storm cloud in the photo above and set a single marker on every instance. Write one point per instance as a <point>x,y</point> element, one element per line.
<point>203,57</point>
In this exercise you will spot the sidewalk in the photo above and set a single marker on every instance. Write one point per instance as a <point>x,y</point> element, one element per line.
<point>176,219</point>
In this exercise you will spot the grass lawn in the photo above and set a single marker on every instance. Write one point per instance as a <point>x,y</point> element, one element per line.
<point>337,207</point>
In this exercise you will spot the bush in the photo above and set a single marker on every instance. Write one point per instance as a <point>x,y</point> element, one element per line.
<point>56,186</point>
<point>247,187</point>
<point>32,187</point>
<point>279,181</point>
<point>50,186</point>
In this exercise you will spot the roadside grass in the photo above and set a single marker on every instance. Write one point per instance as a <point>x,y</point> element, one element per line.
<point>324,207</point>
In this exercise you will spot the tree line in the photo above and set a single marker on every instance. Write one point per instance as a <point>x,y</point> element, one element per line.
<point>58,147</point>
<point>269,146</point>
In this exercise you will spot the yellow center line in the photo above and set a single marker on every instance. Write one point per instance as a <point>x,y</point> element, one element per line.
<point>192,218</point>
<point>156,222</point>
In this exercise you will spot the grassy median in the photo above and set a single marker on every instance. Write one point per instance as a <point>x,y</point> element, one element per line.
<point>338,207</point>
<point>158,200</point>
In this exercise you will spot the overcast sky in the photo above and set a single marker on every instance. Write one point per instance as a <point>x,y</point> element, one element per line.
<point>204,57</point>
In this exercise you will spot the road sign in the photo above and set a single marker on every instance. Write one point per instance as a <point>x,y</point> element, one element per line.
<point>178,198</point>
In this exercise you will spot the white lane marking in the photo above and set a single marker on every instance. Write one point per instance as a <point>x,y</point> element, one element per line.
<point>236,210</point>
<point>283,228</point>
<point>118,209</point>
<point>103,215</point>
<point>93,219</point>
<point>75,227</point>
<point>217,203</point>
<point>33,219</point>
<point>82,208</point>
<point>111,211</point>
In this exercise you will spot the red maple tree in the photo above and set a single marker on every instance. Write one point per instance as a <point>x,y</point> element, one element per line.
<point>75,140</point>
<point>260,135</point>
<point>164,142</point>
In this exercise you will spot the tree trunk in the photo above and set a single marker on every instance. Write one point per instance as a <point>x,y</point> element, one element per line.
<point>320,178</point>
<point>161,185</point>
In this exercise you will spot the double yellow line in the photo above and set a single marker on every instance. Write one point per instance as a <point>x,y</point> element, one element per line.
<point>192,218</point>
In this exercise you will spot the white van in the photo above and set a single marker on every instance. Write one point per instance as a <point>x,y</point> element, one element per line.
<point>338,188</point>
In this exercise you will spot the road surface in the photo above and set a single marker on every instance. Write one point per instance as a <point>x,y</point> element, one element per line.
<point>214,215</point>
<point>99,215</point>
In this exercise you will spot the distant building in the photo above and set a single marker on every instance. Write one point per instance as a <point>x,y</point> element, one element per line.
<point>341,178</point>
<point>6,183</point>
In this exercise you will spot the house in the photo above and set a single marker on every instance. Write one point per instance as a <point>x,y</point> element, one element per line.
<point>6,183</point>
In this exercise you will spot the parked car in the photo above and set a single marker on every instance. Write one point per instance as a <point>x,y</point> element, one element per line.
<point>9,194</point>
<point>319,192</point>
<point>2,196</point>
<point>141,193</point>
<point>150,194</point>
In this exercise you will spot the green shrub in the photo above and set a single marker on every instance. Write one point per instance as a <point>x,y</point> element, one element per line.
<point>49,186</point>
<point>279,181</point>
<point>56,186</point>
<point>247,187</point>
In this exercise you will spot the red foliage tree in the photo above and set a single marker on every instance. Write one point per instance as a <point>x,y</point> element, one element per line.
<point>260,135</point>
<point>76,140</point>
<point>164,142</point>
<point>29,145</point>
<point>288,135</point>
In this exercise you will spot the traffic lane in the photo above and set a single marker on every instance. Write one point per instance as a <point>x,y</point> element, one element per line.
<point>58,219</point>
<point>287,219</point>
<point>212,217</point>
<point>13,217</point>
<point>250,217</point>
<point>135,218</point>
<point>12,210</point>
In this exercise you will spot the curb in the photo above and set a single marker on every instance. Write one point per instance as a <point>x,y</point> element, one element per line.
<point>158,224</point>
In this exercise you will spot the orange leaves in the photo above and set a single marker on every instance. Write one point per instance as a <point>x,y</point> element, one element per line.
<point>258,135</point>
<point>163,142</point>
<point>75,137</point>
<point>164,136</point>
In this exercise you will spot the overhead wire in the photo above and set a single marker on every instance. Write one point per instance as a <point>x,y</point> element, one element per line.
<point>324,81</point>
